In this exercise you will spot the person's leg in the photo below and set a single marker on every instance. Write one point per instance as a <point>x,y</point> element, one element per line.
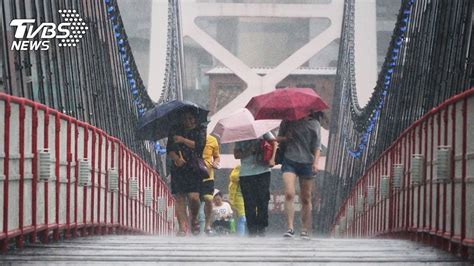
<point>306,186</point>
<point>181,212</point>
<point>240,209</point>
<point>289,180</point>
<point>192,186</point>
<point>207,196</point>
<point>247,187</point>
<point>263,196</point>
<point>241,225</point>
<point>208,212</point>
<point>202,217</point>
<point>194,203</point>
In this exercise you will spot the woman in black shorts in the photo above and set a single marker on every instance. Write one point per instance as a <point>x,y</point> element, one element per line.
<point>302,142</point>
<point>186,143</point>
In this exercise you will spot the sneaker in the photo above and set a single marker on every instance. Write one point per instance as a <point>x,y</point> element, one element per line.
<point>261,232</point>
<point>304,235</point>
<point>181,233</point>
<point>209,232</point>
<point>289,233</point>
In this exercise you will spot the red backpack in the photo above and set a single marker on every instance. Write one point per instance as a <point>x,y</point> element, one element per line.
<point>265,151</point>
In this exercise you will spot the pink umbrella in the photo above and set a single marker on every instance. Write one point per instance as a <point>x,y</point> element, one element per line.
<point>242,126</point>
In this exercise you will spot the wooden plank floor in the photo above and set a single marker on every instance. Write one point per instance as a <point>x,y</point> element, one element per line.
<point>202,250</point>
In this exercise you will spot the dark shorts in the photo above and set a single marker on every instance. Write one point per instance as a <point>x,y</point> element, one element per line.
<point>207,188</point>
<point>221,223</point>
<point>183,181</point>
<point>302,170</point>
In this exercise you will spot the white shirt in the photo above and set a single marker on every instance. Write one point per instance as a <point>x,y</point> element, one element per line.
<point>219,212</point>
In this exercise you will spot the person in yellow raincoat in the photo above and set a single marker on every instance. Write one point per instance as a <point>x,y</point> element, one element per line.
<point>236,199</point>
<point>211,156</point>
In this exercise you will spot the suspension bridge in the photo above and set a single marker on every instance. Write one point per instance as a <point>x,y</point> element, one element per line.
<point>77,187</point>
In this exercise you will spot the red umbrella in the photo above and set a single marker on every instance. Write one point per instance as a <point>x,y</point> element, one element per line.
<point>288,104</point>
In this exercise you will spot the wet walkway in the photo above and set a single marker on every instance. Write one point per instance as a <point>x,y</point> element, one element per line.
<point>113,250</point>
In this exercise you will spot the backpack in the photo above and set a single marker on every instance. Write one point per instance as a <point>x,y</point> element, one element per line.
<point>265,151</point>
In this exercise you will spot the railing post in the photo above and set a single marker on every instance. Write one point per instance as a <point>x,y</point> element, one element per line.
<point>34,171</point>
<point>417,178</point>
<point>21,183</point>
<point>67,234</point>
<point>5,177</point>
<point>467,220</point>
<point>75,181</point>
<point>56,173</point>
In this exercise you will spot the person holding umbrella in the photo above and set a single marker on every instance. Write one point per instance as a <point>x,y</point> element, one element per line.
<point>301,141</point>
<point>252,180</point>
<point>186,143</point>
<point>182,122</point>
<point>255,183</point>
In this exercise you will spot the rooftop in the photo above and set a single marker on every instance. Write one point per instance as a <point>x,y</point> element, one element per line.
<point>266,70</point>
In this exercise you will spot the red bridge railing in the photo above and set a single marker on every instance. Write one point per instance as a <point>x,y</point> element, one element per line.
<point>60,177</point>
<point>422,187</point>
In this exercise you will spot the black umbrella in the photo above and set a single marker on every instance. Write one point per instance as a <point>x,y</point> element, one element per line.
<point>156,123</point>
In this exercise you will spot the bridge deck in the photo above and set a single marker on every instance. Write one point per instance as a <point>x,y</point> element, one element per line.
<point>228,250</point>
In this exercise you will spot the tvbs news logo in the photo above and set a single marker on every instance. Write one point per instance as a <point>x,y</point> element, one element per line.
<point>68,33</point>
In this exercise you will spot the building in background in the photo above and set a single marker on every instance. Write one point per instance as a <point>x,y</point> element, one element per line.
<point>225,85</point>
<point>261,43</point>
